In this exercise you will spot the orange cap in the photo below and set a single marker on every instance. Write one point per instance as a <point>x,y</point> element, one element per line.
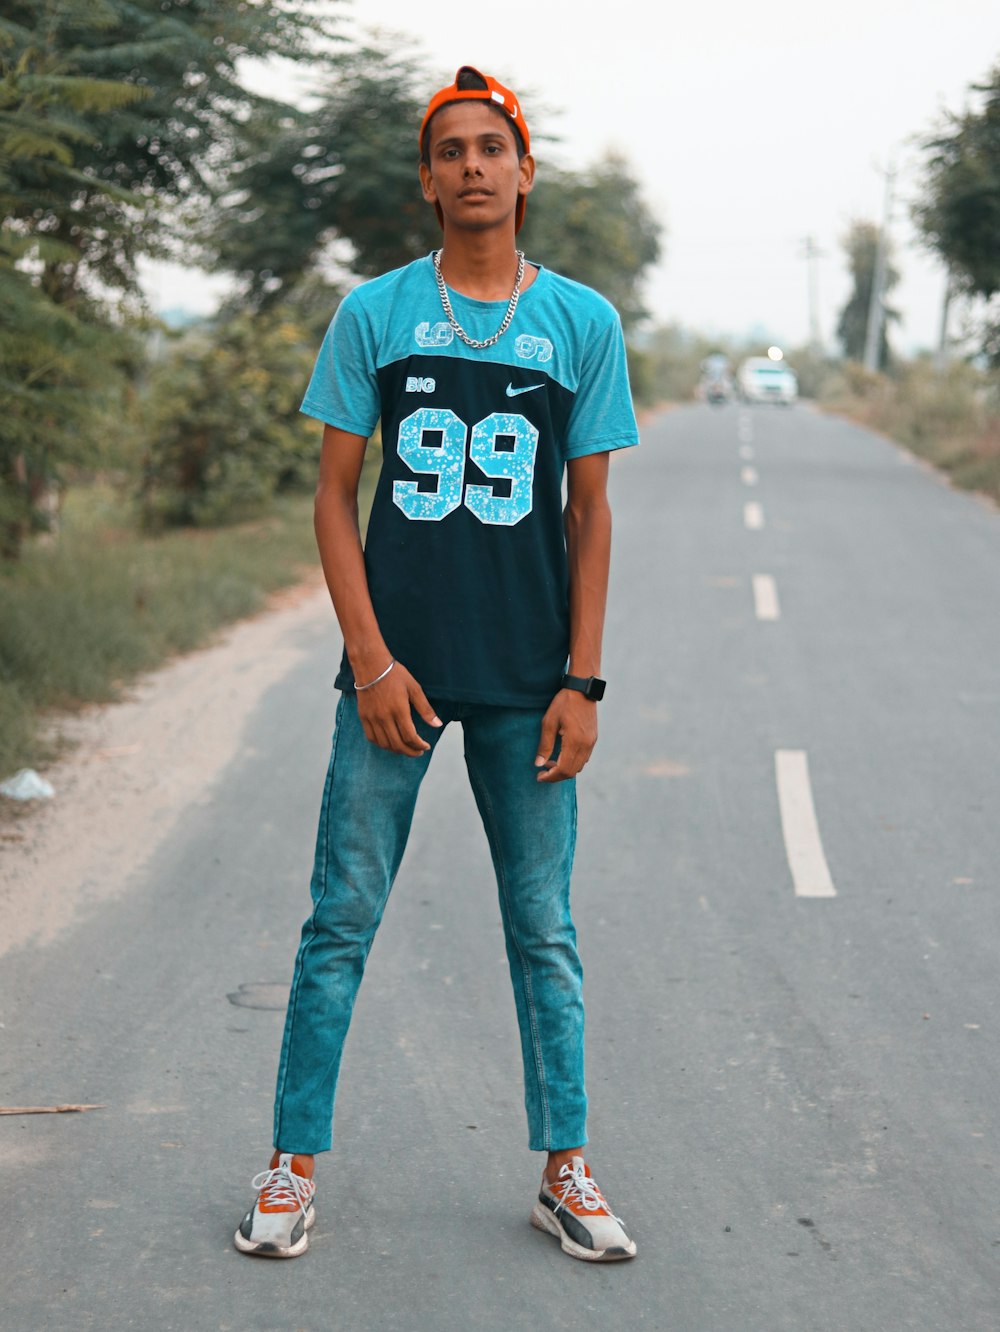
<point>497,95</point>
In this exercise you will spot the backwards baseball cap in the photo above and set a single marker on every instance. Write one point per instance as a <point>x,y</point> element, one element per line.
<point>496,95</point>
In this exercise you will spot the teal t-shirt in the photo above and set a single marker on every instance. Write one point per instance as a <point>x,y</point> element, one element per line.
<point>465,551</point>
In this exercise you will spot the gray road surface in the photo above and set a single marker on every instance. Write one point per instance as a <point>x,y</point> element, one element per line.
<point>795,1101</point>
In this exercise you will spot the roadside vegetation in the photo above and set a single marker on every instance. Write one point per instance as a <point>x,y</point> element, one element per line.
<point>950,417</point>
<point>944,407</point>
<point>88,612</point>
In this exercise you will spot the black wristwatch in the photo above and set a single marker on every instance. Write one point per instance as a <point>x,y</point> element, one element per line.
<point>590,686</point>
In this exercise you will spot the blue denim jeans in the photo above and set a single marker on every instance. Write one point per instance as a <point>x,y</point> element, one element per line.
<point>368,804</point>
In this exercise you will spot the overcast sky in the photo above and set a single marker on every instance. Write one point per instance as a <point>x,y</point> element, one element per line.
<point>750,127</point>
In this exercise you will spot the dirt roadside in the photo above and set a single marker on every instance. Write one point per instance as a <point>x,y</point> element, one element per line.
<point>135,766</point>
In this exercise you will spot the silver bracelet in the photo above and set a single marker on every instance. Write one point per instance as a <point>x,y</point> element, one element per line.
<point>359,689</point>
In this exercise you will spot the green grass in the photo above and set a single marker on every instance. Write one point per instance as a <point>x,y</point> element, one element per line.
<point>82,615</point>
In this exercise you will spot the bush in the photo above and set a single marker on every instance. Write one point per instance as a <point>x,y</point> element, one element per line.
<point>951,417</point>
<point>815,371</point>
<point>224,430</point>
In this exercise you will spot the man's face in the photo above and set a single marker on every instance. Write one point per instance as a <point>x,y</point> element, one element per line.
<point>474,174</point>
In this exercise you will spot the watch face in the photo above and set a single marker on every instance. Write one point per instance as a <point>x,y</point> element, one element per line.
<point>595,688</point>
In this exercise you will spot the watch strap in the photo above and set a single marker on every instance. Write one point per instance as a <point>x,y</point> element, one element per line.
<point>590,686</point>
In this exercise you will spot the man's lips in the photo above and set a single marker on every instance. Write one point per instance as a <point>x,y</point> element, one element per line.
<point>475,192</point>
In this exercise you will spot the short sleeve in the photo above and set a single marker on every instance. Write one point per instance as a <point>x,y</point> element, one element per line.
<point>602,417</point>
<point>343,390</point>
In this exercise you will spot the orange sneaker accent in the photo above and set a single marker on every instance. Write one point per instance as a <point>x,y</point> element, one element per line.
<point>302,1165</point>
<point>277,1197</point>
<point>570,1198</point>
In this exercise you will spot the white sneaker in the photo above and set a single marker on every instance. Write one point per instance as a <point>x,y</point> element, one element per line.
<point>277,1225</point>
<point>573,1209</point>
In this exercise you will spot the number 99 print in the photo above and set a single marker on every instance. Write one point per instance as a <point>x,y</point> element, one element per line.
<point>447,461</point>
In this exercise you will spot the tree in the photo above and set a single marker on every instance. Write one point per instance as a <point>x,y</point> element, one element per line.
<point>114,116</point>
<point>58,376</point>
<point>594,226</point>
<point>960,212</point>
<point>861,244</point>
<point>58,363</point>
<point>169,71</point>
<point>346,170</point>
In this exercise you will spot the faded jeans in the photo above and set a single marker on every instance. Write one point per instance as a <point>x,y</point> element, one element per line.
<point>365,818</point>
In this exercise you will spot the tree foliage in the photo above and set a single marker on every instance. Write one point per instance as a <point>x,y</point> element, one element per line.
<point>960,211</point>
<point>861,245</point>
<point>224,424</point>
<point>114,117</point>
<point>346,170</point>
<point>59,377</point>
<point>960,215</point>
<point>593,226</point>
<point>58,362</point>
<point>124,109</point>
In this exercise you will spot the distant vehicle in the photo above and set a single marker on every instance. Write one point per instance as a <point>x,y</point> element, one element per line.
<point>716,384</point>
<point>759,379</point>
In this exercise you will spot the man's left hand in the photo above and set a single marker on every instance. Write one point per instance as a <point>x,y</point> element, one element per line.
<point>572,719</point>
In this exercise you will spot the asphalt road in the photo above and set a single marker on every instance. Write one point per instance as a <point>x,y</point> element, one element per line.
<point>795,1097</point>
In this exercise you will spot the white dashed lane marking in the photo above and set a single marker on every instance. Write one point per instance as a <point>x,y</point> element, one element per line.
<point>765,597</point>
<point>748,475</point>
<point>803,845</point>
<point>753,516</point>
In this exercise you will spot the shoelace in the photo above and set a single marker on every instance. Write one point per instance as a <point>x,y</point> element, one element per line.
<point>281,1186</point>
<point>581,1188</point>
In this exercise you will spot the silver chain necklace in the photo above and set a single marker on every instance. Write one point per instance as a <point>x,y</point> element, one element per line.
<point>507,319</point>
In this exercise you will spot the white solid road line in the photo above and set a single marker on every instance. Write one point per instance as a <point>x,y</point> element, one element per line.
<point>803,847</point>
<point>765,597</point>
<point>753,516</point>
<point>748,475</point>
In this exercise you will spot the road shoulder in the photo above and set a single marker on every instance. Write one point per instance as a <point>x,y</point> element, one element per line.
<point>133,767</point>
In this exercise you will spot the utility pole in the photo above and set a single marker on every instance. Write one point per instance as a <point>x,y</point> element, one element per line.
<point>811,252</point>
<point>942,355</point>
<point>876,307</point>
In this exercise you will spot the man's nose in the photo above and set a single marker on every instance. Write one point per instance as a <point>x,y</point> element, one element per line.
<point>472,165</point>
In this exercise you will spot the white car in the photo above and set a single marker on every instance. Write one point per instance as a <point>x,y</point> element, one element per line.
<point>760,379</point>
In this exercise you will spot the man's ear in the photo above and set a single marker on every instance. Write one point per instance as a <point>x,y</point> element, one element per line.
<point>427,183</point>
<point>526,166</point>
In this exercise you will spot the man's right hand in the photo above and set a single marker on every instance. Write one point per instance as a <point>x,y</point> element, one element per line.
<point>386,711</point>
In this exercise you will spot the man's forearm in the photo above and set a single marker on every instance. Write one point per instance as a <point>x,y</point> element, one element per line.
<point>588,549</point>
<point>338,537</point>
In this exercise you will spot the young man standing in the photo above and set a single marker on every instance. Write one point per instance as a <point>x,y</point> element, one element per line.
<point>478,598</point>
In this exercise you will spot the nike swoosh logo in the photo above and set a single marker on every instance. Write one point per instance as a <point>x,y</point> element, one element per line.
<point>512,392</point>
